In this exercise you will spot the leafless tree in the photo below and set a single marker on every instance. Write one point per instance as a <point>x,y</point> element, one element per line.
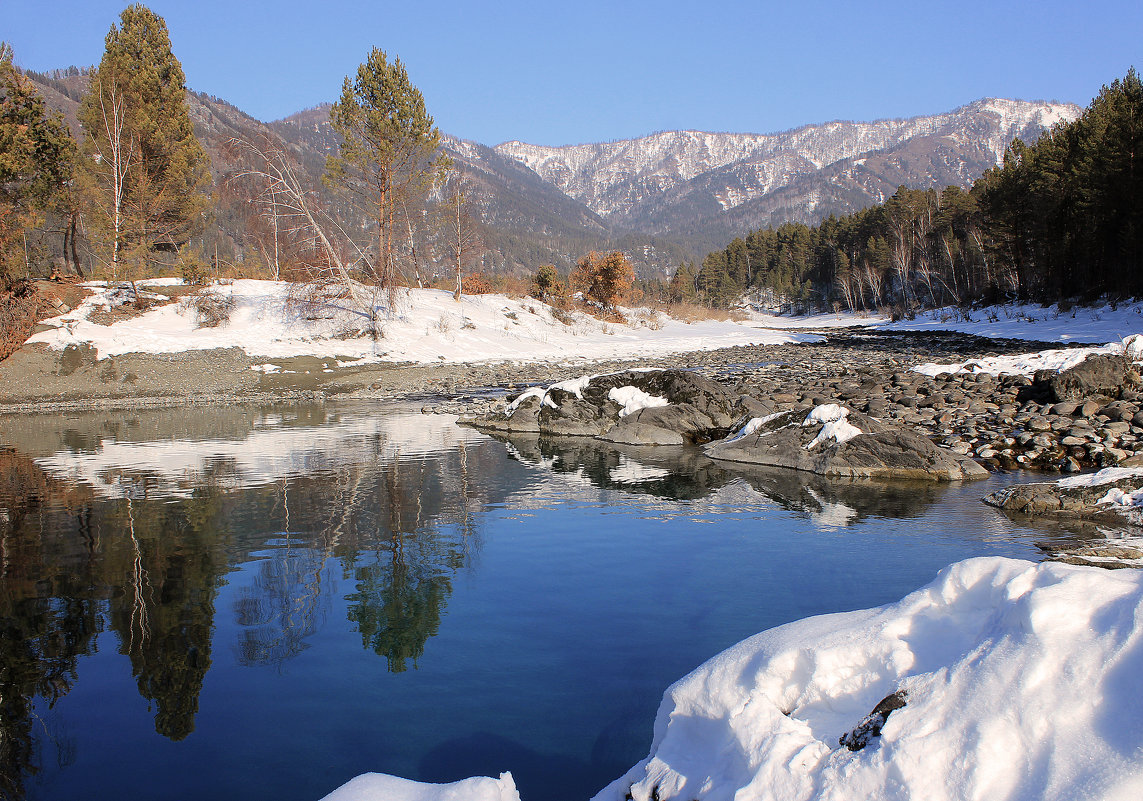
<point>463,242</point>
<point>113,158</point>
<point>297,213</point>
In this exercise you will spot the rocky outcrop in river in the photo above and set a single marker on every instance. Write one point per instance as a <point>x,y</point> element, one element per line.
<point>1002,422</point>
<point>831,440</point>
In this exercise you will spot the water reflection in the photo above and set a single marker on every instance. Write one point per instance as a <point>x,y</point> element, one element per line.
<point>678,473</point>
<point>685,473</point>
<point>325,556</point>
<point>125,528</point>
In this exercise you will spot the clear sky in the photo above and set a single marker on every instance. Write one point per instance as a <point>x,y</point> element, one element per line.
<point>586,71</point>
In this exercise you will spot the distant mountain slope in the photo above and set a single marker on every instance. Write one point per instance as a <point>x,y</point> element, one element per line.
<point>664,197</point>
<point>670,182</point>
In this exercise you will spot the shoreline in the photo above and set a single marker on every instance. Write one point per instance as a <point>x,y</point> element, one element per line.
<point>37,380</point>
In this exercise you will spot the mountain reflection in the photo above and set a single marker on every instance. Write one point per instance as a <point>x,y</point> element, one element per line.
<point>138,538</point>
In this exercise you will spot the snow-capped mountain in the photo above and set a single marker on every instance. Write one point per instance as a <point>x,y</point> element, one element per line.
<point>661,198</point>
<point>632,181</point>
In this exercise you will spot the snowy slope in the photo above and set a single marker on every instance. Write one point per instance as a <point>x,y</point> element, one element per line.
<point>427,326</point>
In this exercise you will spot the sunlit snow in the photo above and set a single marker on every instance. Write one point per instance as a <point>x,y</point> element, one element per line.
<point>427,326</point>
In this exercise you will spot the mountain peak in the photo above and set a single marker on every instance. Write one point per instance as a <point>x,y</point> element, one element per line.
<point>617,178</point>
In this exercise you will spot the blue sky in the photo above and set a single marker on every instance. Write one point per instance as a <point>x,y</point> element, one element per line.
<point>568,72</point>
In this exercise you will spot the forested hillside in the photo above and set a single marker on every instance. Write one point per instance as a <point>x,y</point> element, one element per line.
<point>1058,219</point>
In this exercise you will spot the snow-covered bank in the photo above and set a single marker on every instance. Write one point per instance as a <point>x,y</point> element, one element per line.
<point>1084,324</point>
<point>426,327</point>
<point>1026,364</point>
<point>379,787</point>
<point>1080,324</point>
<point>1020,681</point>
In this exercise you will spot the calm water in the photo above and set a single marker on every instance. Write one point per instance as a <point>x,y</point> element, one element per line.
<point>263,603</point>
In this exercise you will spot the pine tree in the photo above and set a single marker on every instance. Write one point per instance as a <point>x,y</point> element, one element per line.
<point>681,289</point>
<point>36,157</point>
<point>386,156</point>
<point>145,176</point>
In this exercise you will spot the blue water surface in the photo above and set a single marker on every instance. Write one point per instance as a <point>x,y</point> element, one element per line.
<point>264,603</point>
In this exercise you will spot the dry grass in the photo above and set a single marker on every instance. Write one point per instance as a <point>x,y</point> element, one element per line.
<point>695,312</point>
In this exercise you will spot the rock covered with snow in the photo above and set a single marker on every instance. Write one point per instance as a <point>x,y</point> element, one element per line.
<point>1111,499</point>
<point>1018,681</point>
<point>1098,374</point>
<point>832,440</point>
<point>636,407</point>
<point>1113,495</point>
<point>381,787</point>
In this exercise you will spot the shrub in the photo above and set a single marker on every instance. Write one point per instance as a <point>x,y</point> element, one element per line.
<point>193,267</point>
<point>605,279</point>
<point>210,309</point>
<point>19,308</point>
<point>475,284</point>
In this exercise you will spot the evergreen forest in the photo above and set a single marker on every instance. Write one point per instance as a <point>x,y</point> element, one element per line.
<point>1058,220</point>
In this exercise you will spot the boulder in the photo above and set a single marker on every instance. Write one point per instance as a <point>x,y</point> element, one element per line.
<point>676,424</point>
<point>1098,374</point>
<point>832,440</point>
<point>638,407</point>
<point>1108,496</point>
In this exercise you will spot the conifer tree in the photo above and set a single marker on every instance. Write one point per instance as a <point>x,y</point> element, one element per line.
<point>386,156</point>
<point>145,176</point>
<point>36,156</point>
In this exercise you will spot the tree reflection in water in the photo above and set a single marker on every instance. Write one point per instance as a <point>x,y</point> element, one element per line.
<point>149,567</point>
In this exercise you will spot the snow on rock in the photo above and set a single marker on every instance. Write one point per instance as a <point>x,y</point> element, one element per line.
<point>1115,496</point>
<point>381,787</point>
<point>1108,475</point>
<point>632,399</point>
<point>1021,682</point>
<point>751,426</point>
<point>533,392</point>
<point>831,416</point>
<point>573,386</point>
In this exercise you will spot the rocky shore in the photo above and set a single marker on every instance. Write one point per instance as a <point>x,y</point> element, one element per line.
<point>1002,422</point>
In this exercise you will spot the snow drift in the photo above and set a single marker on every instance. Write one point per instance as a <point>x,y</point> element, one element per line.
<point>379,787</point>
<point>1022,682</point>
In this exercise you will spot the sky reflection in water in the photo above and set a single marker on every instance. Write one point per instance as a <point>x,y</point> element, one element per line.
<point>237,603</point>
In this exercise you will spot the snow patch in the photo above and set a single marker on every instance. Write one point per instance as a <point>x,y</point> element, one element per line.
<point>632,399</point>
<point>1107,475</point>
<point>834,425</point>
<point>751,426</point>
<point>1117,497</point>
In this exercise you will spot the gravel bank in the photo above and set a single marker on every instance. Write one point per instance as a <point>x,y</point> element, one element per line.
<point>989,418</point>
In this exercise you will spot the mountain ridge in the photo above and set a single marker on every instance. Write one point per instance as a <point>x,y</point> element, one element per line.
<point>666,196</point>
<point>614,178</point>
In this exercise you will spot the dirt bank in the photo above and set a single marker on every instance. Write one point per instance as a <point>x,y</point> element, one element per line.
<point>36,378</point>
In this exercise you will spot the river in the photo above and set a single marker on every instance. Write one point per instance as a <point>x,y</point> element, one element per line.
<point>237,602</point>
